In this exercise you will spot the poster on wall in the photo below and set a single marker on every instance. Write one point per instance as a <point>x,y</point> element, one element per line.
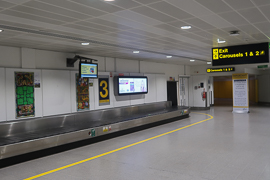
<point>25,99</point>
<point>240,93</point>
<point>82,92</point>
<point>104,95</point>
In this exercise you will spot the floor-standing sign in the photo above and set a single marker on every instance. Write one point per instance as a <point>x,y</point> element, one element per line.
<point>240,93</point>
<point>104,95</point>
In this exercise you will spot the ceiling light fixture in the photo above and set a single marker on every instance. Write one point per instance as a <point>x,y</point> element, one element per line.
<point>168,56</point>
<point>220,41</point>
<point>185,27</point>
<point>209,62</point>
<point>136,52</point>
<point>234,33</point>
<point>192,60</point>
<point>1,30</point>
<point>85,44</point>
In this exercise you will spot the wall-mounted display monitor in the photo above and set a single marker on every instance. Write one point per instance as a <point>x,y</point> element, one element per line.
<point>88,70</point>
<point>244,54</point>
<point>128,85</point>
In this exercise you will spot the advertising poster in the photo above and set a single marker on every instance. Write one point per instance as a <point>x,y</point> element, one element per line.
<point>25,99</point>
<point>82,91</point>
<point>240,93</point>
<point>104,93</point>
<point>132,85</point>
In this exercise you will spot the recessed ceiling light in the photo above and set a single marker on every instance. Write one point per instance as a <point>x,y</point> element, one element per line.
<point>234,33</point>
<point>136,52</point>
<point>192,60</point>
<point>209,62</point>
<point>220,41</point>
<point>85,44</point>
<point>185,27</point>
<point>1,30</point>
<point>168,56</point>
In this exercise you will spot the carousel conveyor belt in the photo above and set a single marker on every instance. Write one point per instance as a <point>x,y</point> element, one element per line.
<point>59,130</point>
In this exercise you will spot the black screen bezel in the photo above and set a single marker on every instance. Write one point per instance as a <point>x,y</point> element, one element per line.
<point>118,77</point>
<point>80,75</point>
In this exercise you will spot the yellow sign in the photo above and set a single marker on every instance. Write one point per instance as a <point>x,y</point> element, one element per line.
<point>227,69</point>
<point>240,76</point>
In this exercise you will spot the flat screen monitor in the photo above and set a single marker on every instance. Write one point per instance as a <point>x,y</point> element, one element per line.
<point>88,70</point>
<point>128,85</point>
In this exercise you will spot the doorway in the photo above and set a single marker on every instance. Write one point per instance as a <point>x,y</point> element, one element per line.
<point>172,92</point>
<point>223,90</point>
<point>183,91</point>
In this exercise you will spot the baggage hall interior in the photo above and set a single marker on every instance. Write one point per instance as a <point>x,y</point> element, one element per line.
<point>134,89</point>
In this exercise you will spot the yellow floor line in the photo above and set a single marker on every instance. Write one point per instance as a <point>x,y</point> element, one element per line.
<point>119,149</point>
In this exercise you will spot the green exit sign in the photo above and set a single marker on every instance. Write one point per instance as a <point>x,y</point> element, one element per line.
<point>263,66</point>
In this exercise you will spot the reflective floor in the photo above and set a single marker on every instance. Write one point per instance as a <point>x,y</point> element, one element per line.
<point>229,146</point>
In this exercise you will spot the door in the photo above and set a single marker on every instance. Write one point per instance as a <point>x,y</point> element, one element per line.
<point>183,91</point>
<point>172,92</point>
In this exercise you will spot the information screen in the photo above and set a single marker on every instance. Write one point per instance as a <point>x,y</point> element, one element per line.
<point>132,85</point>
<point>244,54</point>
<point>88,70</point>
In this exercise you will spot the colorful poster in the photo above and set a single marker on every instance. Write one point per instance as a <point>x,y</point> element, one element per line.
<point>240,93</point>
<point>104,95</point>
<point>25,99</point>
<point>82,91</point>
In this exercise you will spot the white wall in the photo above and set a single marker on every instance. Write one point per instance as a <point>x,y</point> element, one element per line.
<point>10,93</point>
<point>57,94</point>
<point>195,95</point>
<point>2,95</point>
<point>264,87</point>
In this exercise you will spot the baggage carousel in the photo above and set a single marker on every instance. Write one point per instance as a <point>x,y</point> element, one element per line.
<point>24,136</point>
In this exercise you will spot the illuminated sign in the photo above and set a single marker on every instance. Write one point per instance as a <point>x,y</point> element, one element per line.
<point>244,54</point>
<point>227,69</point>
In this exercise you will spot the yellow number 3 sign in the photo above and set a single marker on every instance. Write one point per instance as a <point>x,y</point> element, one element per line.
<point>104,84</point>
<point>104,93</point>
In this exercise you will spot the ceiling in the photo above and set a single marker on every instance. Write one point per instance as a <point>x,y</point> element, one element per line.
<point>115,29</point>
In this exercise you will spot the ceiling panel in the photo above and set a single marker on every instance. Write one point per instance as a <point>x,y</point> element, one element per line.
<point>125,4</point>
<point>79,8</point>
<point>153,14</point>
<point>124,25</point>
<point>138,17</point>
<point>109,24</point>
<point>234,18</point>
<point>253,15</point>
<point>146,1</point>
<point>239,4</point>
<point>31,17</point>
<point>171,10</point>
<point>261,2</point>
<point>6,4</point>
<point>41,13</point>
<point>215,6</point>
<point>97,4</point>
<point>56,10</point>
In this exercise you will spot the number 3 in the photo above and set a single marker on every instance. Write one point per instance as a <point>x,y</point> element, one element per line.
<point>104,88</point>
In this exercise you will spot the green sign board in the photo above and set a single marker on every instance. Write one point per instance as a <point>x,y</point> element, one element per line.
<point>263,66</point>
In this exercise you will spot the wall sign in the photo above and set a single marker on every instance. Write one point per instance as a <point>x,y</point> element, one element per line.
<point>25,99</point>
<point>226,69</point>
<point>82,92</point>
<point>244,54</point>
<point>104,92</point>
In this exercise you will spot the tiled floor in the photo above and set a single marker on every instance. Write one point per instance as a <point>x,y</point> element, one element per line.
<point>227,147</point>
